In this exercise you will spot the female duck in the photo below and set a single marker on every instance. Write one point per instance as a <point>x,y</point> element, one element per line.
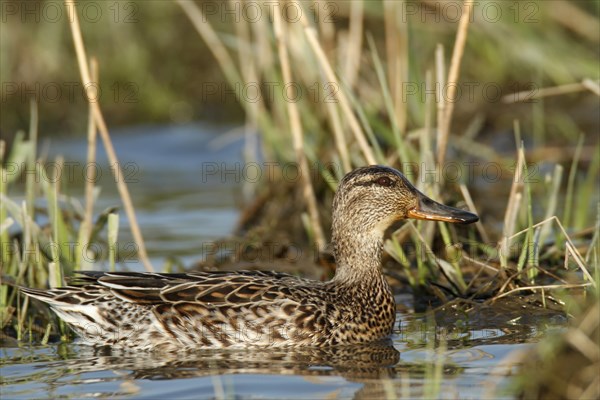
<point>169,312</point>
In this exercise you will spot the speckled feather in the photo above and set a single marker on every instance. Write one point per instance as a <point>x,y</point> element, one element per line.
<point>172,312</point>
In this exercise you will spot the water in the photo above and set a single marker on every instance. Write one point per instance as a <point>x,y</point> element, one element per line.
<point>403,366</point>
<point>182,205</point>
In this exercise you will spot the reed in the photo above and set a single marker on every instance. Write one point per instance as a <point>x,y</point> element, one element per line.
<point>296,130</point>
<point>41,255</point>
<point>86,79</point>
<point>86,225</point>
<point>457,55</point>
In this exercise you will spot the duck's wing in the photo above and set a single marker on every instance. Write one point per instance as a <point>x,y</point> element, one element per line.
<point>155,288</point>
<point>224,308</point>
<point>199,308</point>
<point>197,287</point>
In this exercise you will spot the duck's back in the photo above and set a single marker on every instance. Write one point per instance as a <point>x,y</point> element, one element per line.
<point>174,311</point>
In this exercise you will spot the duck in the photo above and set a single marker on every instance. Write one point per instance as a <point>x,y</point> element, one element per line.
<point>221,309</point>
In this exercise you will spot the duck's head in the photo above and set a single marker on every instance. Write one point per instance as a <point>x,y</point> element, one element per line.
<point>370,199</point>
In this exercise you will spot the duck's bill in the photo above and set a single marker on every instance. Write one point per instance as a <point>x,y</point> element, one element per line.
<point>434,211</point>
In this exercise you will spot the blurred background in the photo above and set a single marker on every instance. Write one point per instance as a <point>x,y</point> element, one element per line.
<point>154,68</point>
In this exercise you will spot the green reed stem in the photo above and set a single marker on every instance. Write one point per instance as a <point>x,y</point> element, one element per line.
<point>571,183</point>
<point>32,169</point>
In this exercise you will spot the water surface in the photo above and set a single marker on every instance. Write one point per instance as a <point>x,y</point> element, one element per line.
<point>182,201</point>
<point>473,367</point>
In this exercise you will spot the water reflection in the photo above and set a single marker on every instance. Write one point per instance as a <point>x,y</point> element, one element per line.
<point>365,361</point>
<point>76,365</point>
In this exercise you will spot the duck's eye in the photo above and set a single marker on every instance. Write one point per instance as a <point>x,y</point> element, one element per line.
<point>384,181</point>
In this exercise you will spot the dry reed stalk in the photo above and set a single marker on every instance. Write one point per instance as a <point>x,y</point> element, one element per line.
<point>354,47</point>
<point>296,130</point>
<point>579,260</point>
<point>91,159</point>
<point>575,19</point>
<point>561,154</point>
<point>326,27</point>
<point>457,54</point>
<point>535,93</point>
<point>396,47</point>
<point>311,36</point>
<point>592,86</point>
<point>5,222</point>
<point>402,72</point>
<point>425,139</point>
<point>104,134</point>
<point>340,137</point>
<point>440,76</point>
<point>391,35</point>
<point>481,264</point>
<point>542,287</point>
<point>350,52</point>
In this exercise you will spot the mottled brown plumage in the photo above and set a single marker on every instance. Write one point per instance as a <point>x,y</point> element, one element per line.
<point>239,309</point>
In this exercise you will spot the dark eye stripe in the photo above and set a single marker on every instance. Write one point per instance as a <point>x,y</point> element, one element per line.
<point>383,181</point>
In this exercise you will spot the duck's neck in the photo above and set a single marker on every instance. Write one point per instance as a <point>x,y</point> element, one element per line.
<point>357,256</point>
